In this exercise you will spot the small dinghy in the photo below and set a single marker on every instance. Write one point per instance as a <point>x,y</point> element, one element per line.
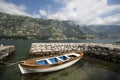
<point>49,64</point>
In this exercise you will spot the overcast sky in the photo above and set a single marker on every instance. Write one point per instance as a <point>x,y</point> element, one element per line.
<point>81,11</point>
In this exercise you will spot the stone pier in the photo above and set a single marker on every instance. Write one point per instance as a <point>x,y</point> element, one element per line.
<point>6,51</point>
<point>103,51</point>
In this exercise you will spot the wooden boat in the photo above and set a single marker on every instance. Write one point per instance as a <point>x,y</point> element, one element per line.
<point>49,64</point>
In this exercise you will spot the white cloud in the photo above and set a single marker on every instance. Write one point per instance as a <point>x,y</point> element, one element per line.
<point>110,20</point>
<point>80,11</point>
<point>115,19</point>
<point>84,11</point>
<point>11,8</point>
<point>42,12</point>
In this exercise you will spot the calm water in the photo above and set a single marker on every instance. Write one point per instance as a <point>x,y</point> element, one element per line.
<point>86,69</point>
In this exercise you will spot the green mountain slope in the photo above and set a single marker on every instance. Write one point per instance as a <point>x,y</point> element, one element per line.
<point>21,27</point>
<point>103,31</point>
<point>12,26</point>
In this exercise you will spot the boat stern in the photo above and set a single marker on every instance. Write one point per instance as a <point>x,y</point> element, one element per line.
<point>22,69</point>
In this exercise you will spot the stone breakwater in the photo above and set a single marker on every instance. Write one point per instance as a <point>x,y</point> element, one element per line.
<point>6,51</point>
<point>103,51</point>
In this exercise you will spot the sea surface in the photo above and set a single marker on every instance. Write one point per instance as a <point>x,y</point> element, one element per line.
<point>87,68</point>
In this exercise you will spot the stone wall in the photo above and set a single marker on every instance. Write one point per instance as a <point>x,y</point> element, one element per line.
<point>103,51</point>
<point>6,51</point>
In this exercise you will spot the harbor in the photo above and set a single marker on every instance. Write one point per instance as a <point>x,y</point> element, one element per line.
<point>88,68</point>
<point>103,51</point>
<point>5,51</point>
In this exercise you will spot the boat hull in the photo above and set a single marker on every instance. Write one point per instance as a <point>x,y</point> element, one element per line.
<point>25,69</point>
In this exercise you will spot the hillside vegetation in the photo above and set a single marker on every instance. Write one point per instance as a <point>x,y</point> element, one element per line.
<point>104,31</point>
<point>21,27</point>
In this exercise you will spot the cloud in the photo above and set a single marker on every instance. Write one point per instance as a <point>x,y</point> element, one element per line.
<point>80,11</point>
<point>11,8</point>
<point>115,19</point>
<point>42,12</point>
<point>85,11</point>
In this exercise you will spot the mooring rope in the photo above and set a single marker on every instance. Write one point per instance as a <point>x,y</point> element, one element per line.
<point>10,64</point>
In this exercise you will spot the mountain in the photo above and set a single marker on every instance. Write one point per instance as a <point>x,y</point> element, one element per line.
<point>12,26</point>
<point>103,31</point>
<point>22,27</point>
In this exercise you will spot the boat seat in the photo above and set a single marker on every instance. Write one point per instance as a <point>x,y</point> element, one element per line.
<point>59,59</point>
<point>76,54</point>
<point>67,56</point>
<point>49,62</point>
